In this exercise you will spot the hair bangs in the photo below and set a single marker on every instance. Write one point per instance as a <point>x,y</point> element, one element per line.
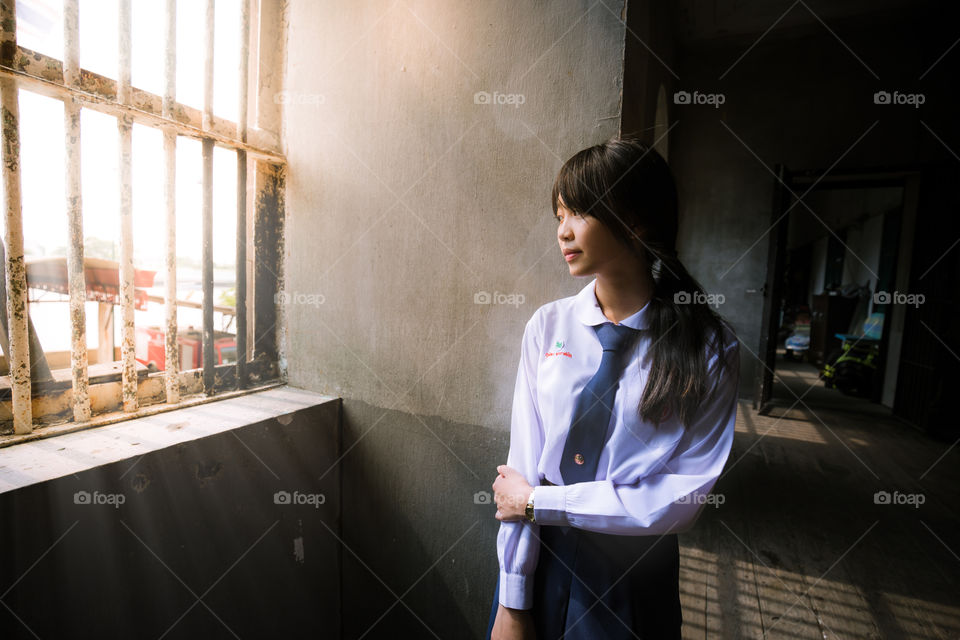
<point>580,183</point>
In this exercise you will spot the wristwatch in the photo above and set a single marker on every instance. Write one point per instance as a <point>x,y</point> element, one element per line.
<point>529,511</point>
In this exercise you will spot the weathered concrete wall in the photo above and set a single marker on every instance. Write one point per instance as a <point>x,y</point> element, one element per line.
<point>408,198</point>
<point>183,542</point>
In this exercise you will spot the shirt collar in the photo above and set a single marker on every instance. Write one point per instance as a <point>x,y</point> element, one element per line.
<point>588,310</point>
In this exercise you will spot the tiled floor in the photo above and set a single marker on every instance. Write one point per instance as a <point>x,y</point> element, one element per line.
<point>802,548</point>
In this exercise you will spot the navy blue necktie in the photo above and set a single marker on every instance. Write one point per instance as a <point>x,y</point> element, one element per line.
<point>591,413</point>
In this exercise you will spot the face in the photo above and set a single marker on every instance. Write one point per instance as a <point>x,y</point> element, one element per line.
<point>590,248</point>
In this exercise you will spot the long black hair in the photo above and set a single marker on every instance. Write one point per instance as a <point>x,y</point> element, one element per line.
<point>628,187</point>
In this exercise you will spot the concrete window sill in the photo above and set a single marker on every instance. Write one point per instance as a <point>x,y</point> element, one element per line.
<point>41,460</point>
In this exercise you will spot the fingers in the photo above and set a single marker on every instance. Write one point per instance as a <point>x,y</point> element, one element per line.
<point>499,497</point>
<point>502,472</point>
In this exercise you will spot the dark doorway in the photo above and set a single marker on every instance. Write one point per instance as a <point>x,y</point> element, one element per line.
<point>836,290</point>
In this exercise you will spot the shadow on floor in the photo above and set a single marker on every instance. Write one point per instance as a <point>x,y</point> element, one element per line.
<point>837,521</point>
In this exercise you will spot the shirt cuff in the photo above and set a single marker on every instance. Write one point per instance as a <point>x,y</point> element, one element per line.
<point>516,590</point>
<point>550,504</point>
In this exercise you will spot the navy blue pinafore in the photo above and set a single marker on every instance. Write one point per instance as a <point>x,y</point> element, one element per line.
<point>594,586</point>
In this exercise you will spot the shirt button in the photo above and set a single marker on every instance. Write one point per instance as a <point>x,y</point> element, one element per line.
<point>578,458</point>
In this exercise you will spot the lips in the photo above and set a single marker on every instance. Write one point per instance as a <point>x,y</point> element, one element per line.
<point>571,254</point>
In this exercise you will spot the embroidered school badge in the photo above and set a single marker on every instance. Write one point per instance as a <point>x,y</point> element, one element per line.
<point>558,350</point>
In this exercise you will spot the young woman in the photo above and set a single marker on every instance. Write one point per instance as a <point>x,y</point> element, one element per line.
<point>623,415</point>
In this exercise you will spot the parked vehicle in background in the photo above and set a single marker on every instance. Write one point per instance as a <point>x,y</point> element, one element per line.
<point>150,350</point>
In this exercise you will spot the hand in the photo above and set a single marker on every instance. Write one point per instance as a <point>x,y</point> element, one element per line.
<point>511,492</point>
<point>513,624</point>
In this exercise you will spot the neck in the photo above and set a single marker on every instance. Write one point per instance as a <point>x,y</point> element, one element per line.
<point>621,295</point>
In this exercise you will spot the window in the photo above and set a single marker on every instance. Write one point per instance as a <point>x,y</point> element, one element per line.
<point>142,189</point>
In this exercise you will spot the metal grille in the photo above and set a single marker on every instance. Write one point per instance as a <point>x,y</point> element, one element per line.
<point>33,392</point>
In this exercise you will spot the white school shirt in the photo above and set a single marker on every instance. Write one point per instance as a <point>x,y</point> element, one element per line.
<point>649,481</point>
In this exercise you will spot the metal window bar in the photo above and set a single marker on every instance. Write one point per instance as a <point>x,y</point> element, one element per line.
<point>18,353</point>
<point>74,206</point>
<point>171,350</point>
<point>241,277</point>
<point>125,129</point>
<point>81,89</point>
<point>207,208</point>
<point>42,74</point>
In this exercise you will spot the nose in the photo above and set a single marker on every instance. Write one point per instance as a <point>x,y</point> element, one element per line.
<point>564,232</point>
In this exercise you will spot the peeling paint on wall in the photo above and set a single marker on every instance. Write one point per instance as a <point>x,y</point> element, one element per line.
<point>298,550</point>
<point>207,471</point>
